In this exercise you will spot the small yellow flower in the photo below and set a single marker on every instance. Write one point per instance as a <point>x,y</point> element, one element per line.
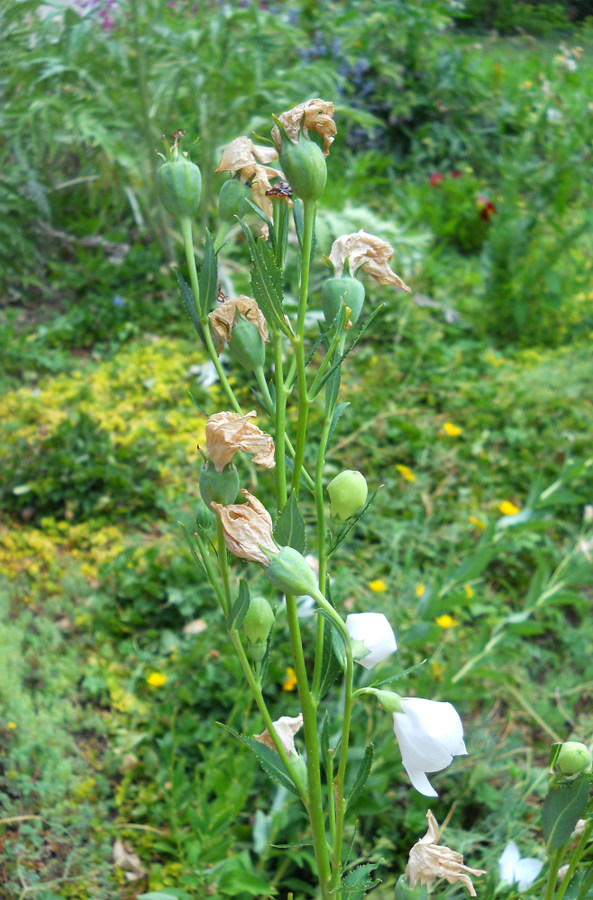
<point>291,680</point>
<point>156,679</point>
<point>508,509</point>
<point>438,669</point>
<point>406,473</point>
<point>420,590</point>
<point>479,523</point>
<point>378,586</point>
<point>446,621</point>
<point>469,591</point>
<point>11,725</point>
<point>452,430</point>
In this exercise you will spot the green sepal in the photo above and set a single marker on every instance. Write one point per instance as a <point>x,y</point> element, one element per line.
<point>266,282</point>
<point>289,530</point>
<point>268,760</point>
<point>562,809</point>
<point>208,277</point>
<point>239,607</point>
<point>361,776</point>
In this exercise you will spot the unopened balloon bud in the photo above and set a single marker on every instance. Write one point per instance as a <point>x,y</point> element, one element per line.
<point>299,769</point>
<point>258,620</point>
<point>246,345</point>
<point>219,487</point>
<point>574,757</point>
<point>337,291</point>
<point>290,572</point>
<point>389,700</point>
<point>231,200</point>
<point>303,164</point>
<point>347,493</point>
<point>179,183</point>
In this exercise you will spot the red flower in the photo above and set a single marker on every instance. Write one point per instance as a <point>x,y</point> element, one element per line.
<point>486,208</point>
<point>435,179</point>
<point>456,174</point>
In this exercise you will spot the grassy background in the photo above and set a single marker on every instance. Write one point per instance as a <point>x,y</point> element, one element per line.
<point>98,458</point>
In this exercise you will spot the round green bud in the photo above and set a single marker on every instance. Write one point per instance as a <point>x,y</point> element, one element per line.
<point>246,345</point>
<point>231,200</point>
<point>347,493</point>
<point>179,186</point>
<point>337,291</point>
<point>290,572</point>
<point>258,620</point>
<point>219,487</point>
<point>574,757</point>
<point>204,518</point>
<point>304,167</point>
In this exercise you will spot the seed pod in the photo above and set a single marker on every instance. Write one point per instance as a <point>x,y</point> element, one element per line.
<point>179,186</point>
<point>231,200</point>
<point>258,620</point>
<point>204,518</point>
<point>574,757</point>
<point>303,165</point>
<point>219,487</point>
<point>337,291</point>
<point>246,345</point>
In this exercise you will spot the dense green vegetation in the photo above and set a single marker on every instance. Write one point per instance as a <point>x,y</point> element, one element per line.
<point>470,404</point>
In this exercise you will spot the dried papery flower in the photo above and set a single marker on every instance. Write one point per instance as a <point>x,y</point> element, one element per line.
<point>369,252</point>
<point>224,318</point>
<point>286,728</point>
<point>429,861</point>
<point>251,161</point>
<point>247,527</point>
<point>315,115</point>
<point>229,432</point>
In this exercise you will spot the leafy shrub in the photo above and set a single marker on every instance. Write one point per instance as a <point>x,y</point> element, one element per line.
<point>457,208</point>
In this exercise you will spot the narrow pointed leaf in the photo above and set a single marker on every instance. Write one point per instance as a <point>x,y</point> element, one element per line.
<point>240,606</point>
<point>208,277</point>
<point>187,296</point>
<point>562,809</point>
<point>290,526</point>
<point>266,282</point>
<point>361,775</point>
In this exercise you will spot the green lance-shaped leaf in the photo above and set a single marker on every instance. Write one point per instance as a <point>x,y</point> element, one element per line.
<point>562,809</point>
<point>269,761</point>
<point>361,776</point>
<point>208,277</point>
<point>290,526</point>
<point>266,282</point>
<point>188,301</point>
<point>240,606</point>
<point>358,881</point>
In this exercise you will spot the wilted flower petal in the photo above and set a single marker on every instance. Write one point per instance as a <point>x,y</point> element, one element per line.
<point>286,728</point>
<point>247,527</point>
<point>429,734</point>
<point>229,432</point>
<point>429,861</point>
<point>250,160</point>
<point>224,318</point>
<point>375,632</point>
<point>368,251</point>
<point>514,870</point>
<point>315,115</point>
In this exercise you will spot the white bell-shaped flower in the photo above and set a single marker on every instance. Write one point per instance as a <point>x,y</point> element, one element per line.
<point>515,870</point>
<point>429,734</point>
<point>372,637</point>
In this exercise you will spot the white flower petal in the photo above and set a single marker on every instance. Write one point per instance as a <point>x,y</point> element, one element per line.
<point>527,871</point>
<point>421,783</point>
<point>515,870</point>
<point>430,734</point>
<point>375,632</point>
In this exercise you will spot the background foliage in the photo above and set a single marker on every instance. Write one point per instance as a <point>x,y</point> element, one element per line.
<point>474,392</point>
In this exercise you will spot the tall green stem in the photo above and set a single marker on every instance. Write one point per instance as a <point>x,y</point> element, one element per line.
<point>575,859</point>
<point>298,343</point>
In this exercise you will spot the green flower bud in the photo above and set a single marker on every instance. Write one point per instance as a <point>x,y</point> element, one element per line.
<point>347,493</point>
<point>258,620</point>
<point>204,518</point>
<point>299,767</point>
<point>179,186</point>
<point>231,200</point>
<point>574,757</point>
<point>337,291</point>
<point>246,345</point>
<point>303,165</point>
<point>403,891</point>
<point>290,572</point>
<point>389,700</point>
<point>220,487</point>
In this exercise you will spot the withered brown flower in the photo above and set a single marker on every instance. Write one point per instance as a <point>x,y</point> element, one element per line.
<point>251,161</point>
<point>371,253</point>
<point>315,115</point>
<point>229,432</point>
<point>247,527</point>
<point>428,861</point>
<point>286,728</point>
<point>223,319</point>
